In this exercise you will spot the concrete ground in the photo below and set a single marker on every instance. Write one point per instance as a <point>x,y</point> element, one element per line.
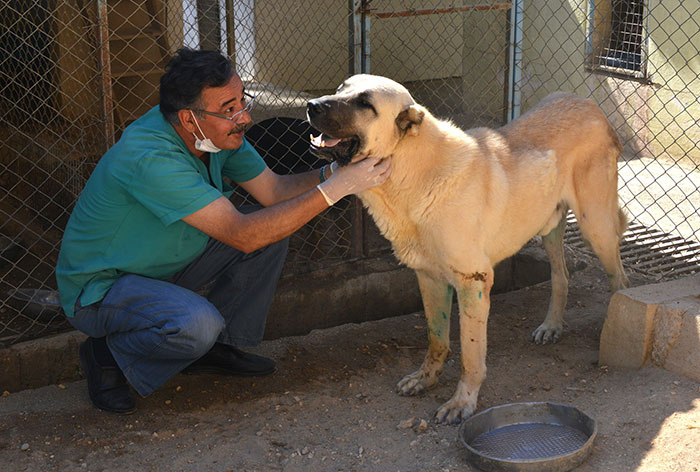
<point>660,194</point>
<point>331,405</point>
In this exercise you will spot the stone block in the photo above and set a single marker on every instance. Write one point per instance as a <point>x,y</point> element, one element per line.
<point>658,323</point>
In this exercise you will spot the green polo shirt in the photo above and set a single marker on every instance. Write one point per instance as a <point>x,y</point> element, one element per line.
<point>128,216</point>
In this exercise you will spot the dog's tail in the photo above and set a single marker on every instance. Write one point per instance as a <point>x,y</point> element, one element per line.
<point>615,153</point>
<point>622,222</point>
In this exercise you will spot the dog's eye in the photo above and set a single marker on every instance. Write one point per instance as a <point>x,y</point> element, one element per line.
<point>362,101</point>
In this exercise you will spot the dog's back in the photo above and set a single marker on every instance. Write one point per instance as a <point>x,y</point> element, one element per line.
<point>564,122</point>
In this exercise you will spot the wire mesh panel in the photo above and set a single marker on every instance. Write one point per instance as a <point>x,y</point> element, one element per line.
<point>639,61</point>
<point>288,53</point>
<point>51,131</point>
<point>452,59</point>
<point>75,73</point>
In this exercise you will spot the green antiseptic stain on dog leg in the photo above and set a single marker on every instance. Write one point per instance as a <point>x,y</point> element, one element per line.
<point>448,297</point>
<point>470,297</point>
<point>439,323</point>
<point>435,332</point>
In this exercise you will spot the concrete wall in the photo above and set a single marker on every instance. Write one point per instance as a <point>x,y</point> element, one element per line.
<point>416,48</point>
<point>484,61</point>
<point>301,44</point>
<point>653,119</point>
<point>307,47</point>
<point>674,67</point>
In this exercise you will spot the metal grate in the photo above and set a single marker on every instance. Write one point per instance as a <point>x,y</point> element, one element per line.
<point>649,251</point>
<point>623,50</point>
<point>530,441</point>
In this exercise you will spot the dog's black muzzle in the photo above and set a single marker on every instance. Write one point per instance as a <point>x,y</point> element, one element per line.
<point>316,107</point>
<point>331,117</point>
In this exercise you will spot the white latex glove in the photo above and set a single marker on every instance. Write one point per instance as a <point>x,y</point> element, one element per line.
<point>355,178</point>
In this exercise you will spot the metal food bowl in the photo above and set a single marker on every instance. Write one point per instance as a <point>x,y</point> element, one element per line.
<point>534,436</point>
<point>37,304</point>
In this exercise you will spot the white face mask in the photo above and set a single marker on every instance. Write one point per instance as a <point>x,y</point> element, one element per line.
<point>204,145</point>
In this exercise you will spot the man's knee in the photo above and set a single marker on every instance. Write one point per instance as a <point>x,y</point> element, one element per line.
<point>201,328</point>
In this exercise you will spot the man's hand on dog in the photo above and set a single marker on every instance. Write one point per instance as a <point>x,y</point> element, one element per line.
<point>356,177</point>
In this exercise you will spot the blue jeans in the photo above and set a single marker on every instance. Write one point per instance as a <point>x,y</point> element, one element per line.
<point>156,328</point>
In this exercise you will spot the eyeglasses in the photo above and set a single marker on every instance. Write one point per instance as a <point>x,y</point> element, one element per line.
<point>248,99</point>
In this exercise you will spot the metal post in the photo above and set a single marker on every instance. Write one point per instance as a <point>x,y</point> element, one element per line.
<point>591,31</point>
<point>230,33</point>
<point>359,63</point>
<point>515,54</point>
<point>106,68</point>
<point>365,37</point>
<point>352,34</point>
<point>359,36</point>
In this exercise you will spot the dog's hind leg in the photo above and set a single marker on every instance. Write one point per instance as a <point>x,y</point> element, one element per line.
<point>597,208</point>
<point>437,302</point>
<point>603,230</point>
<point>551,328</point>
<point>473,295</point>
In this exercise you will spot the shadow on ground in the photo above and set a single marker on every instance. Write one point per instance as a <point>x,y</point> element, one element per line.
<point>331,404</point>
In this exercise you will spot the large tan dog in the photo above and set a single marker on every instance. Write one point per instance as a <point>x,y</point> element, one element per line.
<point>458,202</point>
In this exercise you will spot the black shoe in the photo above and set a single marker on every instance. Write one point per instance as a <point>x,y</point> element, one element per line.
<point>107,386</point>
<point>228,360</point>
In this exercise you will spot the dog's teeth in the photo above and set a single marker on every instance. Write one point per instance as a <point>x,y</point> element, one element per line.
<point>318,141</point>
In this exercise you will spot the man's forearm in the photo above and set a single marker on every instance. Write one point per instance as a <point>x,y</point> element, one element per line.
<point>251,231</point>
<point>293,185</point>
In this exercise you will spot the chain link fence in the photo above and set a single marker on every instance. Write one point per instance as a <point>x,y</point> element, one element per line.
<point>75,73</point>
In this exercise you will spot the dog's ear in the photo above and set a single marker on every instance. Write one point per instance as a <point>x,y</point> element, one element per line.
<point>409,120</point>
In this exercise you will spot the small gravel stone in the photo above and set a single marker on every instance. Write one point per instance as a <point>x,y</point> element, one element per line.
<point>405,424</point>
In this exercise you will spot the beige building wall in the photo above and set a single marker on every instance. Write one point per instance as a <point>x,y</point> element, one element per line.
<point>674,67</point>
<point>309,50</point>
<point>76,80</point>
<point>484,62</point>
<point>553,49</point>
<point>414,48</point>
<point>653,119</point>
<point>304,46</point>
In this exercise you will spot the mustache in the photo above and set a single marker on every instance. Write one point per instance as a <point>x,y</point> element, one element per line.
<point>239,128</point>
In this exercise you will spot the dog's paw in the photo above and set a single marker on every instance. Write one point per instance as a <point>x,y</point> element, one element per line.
<point>454,412</point>
<point>414,384</point>
<point>545,334</point>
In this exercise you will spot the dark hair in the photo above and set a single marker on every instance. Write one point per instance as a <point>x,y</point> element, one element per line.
<point>187,73</point>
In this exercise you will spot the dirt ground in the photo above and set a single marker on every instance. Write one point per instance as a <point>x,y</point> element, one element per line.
<point>331,405</point>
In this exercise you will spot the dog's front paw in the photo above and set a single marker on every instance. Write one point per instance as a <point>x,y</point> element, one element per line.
<point>414,384</point>
<point>454,411</point>
<point>545,334</point>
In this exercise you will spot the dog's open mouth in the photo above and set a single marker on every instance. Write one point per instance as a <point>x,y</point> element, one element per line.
<point>335,149</point>
<point>322,141</point>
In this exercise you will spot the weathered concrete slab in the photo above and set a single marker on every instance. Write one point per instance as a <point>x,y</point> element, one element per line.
<point>44,361</point>
<point>366,290</point>
<point>658,323</point>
